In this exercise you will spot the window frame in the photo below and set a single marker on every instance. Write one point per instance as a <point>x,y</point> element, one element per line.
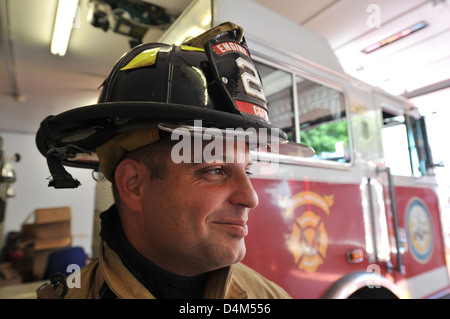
<point>305,161</point>
<point>415,131</point>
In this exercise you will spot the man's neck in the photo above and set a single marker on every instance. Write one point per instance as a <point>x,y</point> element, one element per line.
<point>160,282</point>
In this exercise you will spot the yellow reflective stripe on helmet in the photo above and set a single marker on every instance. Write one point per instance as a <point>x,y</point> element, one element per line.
<point>145,58</point>
<point>190,48</point>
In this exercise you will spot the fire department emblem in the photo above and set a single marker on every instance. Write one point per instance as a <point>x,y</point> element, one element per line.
<point>419,230</point>
<point>308,241</point>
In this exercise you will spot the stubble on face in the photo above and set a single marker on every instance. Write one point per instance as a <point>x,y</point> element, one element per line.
<point>192,221</point>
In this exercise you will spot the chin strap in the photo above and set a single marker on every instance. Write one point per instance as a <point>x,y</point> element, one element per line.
<point>60,178</point>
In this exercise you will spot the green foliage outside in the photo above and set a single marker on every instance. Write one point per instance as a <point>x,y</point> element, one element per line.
<point>323,138</point>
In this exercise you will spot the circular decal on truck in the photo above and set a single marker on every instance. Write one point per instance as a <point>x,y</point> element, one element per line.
<point>419,230</point>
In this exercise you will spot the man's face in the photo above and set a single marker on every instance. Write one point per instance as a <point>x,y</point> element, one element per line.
<point>195,218</point>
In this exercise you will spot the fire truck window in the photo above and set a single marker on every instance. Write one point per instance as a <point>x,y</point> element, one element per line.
<point>323,122</point>
<point>404,145</point>
<point>278,90</point>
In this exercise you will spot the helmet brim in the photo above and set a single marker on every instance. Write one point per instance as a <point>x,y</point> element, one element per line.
<point>83,129</point>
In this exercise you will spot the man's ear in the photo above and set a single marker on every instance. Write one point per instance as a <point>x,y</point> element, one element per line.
<point>128,178</point>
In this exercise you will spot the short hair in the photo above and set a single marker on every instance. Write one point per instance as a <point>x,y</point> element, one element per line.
<point>154,156</point>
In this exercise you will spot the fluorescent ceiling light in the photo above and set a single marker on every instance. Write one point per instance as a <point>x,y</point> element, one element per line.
<point>395,37</point>
<point>65,16</point>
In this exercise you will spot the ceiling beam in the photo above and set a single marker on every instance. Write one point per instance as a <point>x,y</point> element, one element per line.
<point>428,89</point>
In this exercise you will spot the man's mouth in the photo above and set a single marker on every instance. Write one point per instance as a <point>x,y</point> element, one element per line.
<point>238,228</point>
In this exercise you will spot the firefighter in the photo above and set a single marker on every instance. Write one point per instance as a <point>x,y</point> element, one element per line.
<point>177,227</point>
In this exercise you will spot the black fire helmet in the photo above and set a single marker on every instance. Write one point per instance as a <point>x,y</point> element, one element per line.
<point>210,78</point>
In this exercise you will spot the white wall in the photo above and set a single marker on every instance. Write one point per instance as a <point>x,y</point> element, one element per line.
<point>32,191</point>
<point>265,29</point>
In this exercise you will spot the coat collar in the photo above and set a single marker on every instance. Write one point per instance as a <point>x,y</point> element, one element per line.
<point>221,283</point>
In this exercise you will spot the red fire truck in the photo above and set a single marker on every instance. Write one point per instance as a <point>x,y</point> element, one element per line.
<point>359,219</point>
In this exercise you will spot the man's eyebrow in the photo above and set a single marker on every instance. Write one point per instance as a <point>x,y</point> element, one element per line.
<point>222,159</point>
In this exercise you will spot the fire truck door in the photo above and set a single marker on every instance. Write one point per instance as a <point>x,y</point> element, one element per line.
<point>406,164</point>
<point>391,205</point>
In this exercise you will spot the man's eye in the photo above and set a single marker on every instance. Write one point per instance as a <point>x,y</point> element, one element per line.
<point>215,171</point>
<point>213,174</point>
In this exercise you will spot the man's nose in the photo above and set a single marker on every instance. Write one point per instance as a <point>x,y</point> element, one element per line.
<point>243,193</point>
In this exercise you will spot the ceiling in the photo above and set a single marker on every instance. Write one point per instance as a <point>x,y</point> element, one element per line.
<point>417,64</point>
<point>34,83</point>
